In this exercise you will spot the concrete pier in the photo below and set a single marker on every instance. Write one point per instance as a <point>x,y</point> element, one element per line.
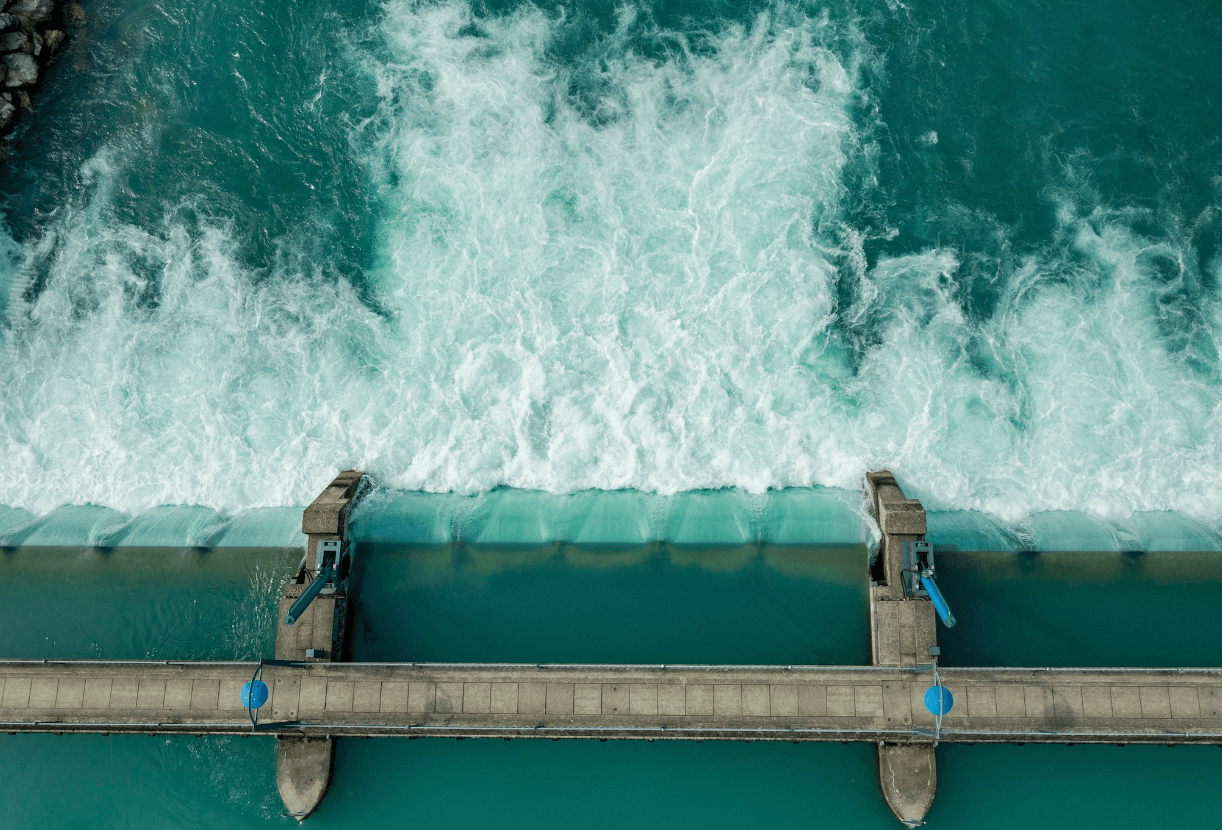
<point>304,765</point>
<point>903,632</point>
<point>908,776</point>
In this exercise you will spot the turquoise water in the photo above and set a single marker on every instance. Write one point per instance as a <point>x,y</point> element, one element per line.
<point>1075,609</point>
<point>618,302</point>
<point>141,604</point>
<point>599,518</point>
<point>231,783</point>
<point>662,247</point>
<point>560,603</point>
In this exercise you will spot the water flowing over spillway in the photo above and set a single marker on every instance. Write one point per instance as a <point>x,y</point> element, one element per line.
<point>616,302</point>
<point>583,248</point>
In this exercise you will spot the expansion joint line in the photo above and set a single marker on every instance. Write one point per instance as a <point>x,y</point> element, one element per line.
<point>937,722</point>
<point>253,711</point>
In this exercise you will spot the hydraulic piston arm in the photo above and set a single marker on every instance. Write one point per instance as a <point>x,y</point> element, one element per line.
<point>328,564</point>
<point>307,596</point>
<point>918,566</point>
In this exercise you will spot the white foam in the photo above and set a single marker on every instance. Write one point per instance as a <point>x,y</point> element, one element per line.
<point>612,272</point>
<point>613,300</point>
<point>1084,406</point>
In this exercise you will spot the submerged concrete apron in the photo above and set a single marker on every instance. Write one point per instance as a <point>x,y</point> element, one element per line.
<point>799,703</point>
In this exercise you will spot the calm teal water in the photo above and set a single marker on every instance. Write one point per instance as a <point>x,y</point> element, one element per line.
<point>562,603</point>
<point>647,605</point>
<point>1061,609</point>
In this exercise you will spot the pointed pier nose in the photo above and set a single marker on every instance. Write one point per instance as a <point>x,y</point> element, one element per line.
<point>909,778</point>
<point>303,774</point>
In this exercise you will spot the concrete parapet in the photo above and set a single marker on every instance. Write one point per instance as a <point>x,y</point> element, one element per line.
<point>901,517</point>
<point>328,514</point>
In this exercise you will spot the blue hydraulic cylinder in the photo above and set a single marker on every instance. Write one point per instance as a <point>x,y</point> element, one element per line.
<point>939,602</point>
<point>307,596</point>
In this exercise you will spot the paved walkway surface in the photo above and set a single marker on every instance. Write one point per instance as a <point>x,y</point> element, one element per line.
<point>641,702</point>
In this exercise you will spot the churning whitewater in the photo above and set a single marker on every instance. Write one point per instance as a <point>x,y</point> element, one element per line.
<point>568,257</point>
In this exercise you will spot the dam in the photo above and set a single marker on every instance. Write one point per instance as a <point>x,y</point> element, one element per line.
<point>315,696</point>
<point>617,303</point>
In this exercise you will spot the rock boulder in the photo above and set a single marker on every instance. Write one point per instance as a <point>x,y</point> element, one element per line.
<point>8,115</point>
<point>74,13</point>
<point>35,11</point>
<point>22,70</point>
<point>13,41</point>
<point>53,43</point>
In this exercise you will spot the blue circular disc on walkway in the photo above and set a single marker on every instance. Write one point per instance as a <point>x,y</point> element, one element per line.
<point>256,696</point>
<point>939,700</point>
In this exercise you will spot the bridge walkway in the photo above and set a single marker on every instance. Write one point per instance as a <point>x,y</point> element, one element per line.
<point>798,703</point>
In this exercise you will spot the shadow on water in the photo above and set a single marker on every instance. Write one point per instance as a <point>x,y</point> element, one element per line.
<point>656,603</point>
<point>1083,609</point>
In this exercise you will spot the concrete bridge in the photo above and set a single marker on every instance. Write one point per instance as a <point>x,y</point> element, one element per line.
<point>753,703</point>
<point>315,698</point>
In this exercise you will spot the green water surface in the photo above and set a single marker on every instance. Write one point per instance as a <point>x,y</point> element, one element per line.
<point>559,603</point>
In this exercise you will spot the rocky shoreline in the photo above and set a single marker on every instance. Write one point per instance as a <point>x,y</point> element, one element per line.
<point>32,38</point>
